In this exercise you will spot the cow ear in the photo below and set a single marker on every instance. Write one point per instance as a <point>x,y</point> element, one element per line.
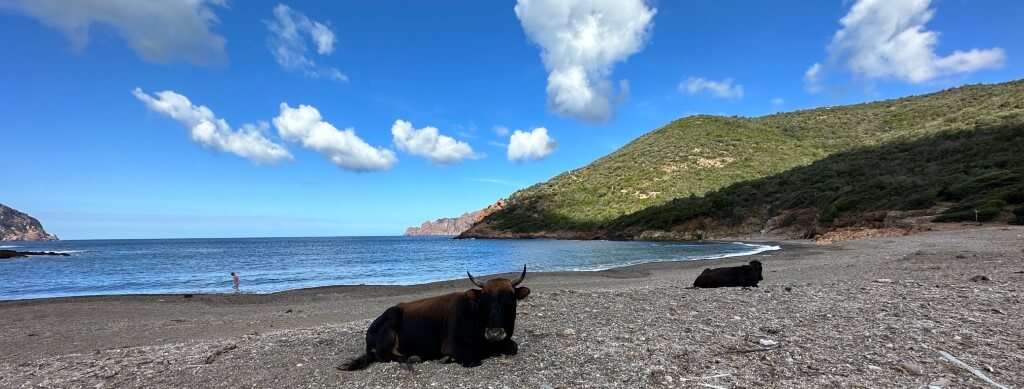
<point>522,292</point>
<point>473,294</point>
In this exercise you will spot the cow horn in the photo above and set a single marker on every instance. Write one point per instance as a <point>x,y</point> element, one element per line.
<point>520,279</point>
<point>474,281</point>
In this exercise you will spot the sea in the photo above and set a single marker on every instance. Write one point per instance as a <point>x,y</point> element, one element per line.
<point>266,265</point>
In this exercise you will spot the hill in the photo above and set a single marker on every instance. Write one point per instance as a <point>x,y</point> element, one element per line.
<point>16,225</point>
<point>810,171</point>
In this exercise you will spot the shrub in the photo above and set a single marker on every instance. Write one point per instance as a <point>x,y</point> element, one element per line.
<point>980,184</point>
<point>1019,213</point>
<point>986,210</point>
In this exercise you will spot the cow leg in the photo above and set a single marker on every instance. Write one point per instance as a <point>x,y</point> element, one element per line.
<point>382,337</point>
<point>508,347</point>
<point>467,358</point>
<point>463,352</point>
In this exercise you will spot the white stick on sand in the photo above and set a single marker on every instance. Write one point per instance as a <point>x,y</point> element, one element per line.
<point>967,367</point>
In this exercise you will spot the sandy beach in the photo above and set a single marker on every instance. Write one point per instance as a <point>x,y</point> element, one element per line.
<point>862,313</point>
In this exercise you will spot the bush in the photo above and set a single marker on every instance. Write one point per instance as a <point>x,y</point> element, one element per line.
<point>980,184</point>
<point>1014,195</point>
<point>834,209</point>
<point>986,210</point>
<point>1019,213</point>
<point>920,200</point>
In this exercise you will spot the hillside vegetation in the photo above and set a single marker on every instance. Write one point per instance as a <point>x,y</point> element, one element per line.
<point>957,151</point>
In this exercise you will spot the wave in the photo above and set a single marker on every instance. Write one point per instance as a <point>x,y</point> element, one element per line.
<point>8,246</point>
<point>755,249</point>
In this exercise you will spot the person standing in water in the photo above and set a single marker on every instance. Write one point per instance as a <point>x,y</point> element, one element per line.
<point>234,282</point>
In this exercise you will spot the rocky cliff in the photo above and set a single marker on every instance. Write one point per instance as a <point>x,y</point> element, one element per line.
<point>16,225</point>
<point>454,225</point>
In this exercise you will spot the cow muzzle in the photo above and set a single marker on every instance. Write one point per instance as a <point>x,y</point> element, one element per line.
<point>494,334</point>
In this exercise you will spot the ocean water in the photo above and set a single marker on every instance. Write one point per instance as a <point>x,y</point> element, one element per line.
<point>103,267</point>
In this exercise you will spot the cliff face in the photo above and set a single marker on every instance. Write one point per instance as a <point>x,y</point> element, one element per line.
<point>453,225</point>
<point>16,225</point>
<point>444,226</point>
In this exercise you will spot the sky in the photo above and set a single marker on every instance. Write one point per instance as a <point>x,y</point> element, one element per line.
<point>215,118</point>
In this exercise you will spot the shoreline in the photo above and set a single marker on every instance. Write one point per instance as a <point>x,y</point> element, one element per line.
<point>767,246</point>
<point>872,312</point>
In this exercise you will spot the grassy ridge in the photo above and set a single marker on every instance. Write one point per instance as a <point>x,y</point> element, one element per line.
<point>915,151</point>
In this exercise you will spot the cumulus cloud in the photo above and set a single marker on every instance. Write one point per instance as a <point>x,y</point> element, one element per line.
<point>289,32</point>
<point>530,145</point>
<point>428,142</point>
<point>158,31</point>
<point>304,126</point>
<point>888,39</point>
<point>812,78</point>
<point>580,42</point>
<point>215,133</point>
<point>724,89</point>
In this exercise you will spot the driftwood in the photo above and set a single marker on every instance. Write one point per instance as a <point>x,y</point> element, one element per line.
<point>705,378</point>
<point>967,367</point>
<point>749,350</point>
<point>710,386</point>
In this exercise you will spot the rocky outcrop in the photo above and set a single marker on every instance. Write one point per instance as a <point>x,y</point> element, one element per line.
<point>7,254</point>
<point>444,226</point>
<point>16,225</point>
<point>454,225</point>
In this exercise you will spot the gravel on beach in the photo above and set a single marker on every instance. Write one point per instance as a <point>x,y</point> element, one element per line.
<point>863,313</point>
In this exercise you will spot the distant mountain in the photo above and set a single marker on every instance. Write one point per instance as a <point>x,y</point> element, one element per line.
<point>16,225</point>
<point>453,226</point>
<point>936,157</point>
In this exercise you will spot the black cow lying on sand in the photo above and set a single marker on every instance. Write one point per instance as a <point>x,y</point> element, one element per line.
<point>462,327</point>
<point>746,275</point>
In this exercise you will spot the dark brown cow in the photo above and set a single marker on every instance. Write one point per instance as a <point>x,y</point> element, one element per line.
<point>745,275</point>
<point>462,327</point>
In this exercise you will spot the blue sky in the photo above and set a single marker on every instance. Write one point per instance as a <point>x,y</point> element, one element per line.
<point>93,159</point>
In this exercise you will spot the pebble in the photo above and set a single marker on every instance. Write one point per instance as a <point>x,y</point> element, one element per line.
<point>569,332</point>
<point>768,343</point>
<point>883,281</point>
<point>911,368</point>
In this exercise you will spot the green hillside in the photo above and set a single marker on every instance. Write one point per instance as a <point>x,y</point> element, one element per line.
<point>740,172</point>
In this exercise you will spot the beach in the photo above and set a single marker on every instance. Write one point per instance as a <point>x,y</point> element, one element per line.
<point>861,313</point>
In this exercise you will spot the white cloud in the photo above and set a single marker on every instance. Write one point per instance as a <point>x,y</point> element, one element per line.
<point>778,102</point>
<point>580,42</point>
<point>158,31</point>
<point>288,44</point>
<point>533,145</point>
<point>304,125</point>
<point>215,133</point>
<point>428,142</point>
<point>501,130</point>
<point>888,39</point>
<point>812,78</point>
<point>724,89</point>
